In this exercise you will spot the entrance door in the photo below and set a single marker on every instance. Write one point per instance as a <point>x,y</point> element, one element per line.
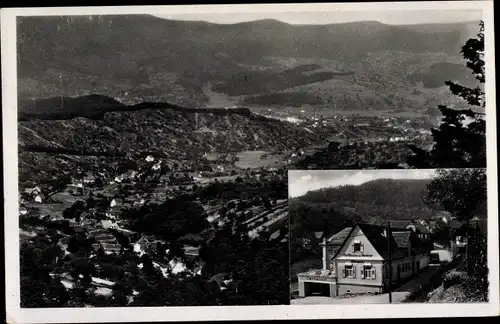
<point>319,289</point>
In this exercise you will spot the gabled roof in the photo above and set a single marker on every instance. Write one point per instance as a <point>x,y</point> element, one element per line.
<point>377,236</point>
<point>339,238</point>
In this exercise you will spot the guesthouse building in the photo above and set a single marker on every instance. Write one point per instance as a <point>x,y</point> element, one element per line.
<point>361,263</point>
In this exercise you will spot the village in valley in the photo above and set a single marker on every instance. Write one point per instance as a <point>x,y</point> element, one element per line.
<point>163,177</point>
<point>100,220</point>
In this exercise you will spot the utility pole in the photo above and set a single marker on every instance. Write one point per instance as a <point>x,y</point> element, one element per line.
<point>389,259</point>
<point>324,243</point>
<point>467,250</point>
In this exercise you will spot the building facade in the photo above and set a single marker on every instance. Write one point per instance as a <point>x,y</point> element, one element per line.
<point>361,264</point>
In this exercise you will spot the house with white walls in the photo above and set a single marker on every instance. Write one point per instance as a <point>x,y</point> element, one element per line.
<point>361,263</point>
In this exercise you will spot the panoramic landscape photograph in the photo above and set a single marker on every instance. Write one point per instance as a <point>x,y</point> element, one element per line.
<point>211,159</point>
<point>351,231</point>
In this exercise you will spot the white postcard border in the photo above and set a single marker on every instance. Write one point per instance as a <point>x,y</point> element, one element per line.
<point>131,314</point>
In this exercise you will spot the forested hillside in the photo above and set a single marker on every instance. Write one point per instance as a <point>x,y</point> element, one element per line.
<point>338,207</point>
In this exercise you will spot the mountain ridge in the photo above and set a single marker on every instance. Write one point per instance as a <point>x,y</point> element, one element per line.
<point>146,58</point>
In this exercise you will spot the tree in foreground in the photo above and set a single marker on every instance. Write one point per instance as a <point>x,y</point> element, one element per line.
<point>460,140</point>
<point>463,193</point>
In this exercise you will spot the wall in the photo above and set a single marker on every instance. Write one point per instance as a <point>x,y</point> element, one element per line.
<point>368,254</point>
<point>424,260</point>
<point>358,289</point>
<point>395,264</point>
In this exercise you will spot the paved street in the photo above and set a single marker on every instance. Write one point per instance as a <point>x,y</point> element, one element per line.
<point>397,298</point>
<point>419,279</point>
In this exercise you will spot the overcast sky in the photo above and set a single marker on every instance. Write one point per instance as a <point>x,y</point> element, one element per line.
<point>302,181</point>
<point>386,16</point>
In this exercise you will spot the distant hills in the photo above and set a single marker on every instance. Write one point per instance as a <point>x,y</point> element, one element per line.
<point>134,58</point>
<point>382,199</point>
<point>397,193</point>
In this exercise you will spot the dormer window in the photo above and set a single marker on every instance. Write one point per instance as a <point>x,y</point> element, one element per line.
<point>357,246</point>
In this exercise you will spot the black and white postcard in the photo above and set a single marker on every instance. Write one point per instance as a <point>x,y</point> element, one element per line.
<point>228,162</point>
<point>351,231</point>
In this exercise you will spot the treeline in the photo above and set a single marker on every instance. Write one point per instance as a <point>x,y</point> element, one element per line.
<point>383,192</point>
<point>308,217</point>
<point>96,106</point>
<point>68,151</point>
<point>333,209</point>
<point>358,155</point>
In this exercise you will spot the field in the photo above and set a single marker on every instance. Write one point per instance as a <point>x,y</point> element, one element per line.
<point>257,159</point>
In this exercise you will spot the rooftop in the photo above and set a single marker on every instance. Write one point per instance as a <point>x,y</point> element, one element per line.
<point>377,236</point>
<point>339,238</point>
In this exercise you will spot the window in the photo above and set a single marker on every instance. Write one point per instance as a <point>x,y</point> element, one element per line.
<point>418,265</point>
<point>357,246</point>
<point>349,271</point>
<point>368,272</point>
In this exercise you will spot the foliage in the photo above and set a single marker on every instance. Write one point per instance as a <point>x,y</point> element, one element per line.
<point>478,251</point>
<point>38,288</point>
<point>171,219</point>
<point>358,155</point>
<point>260,268</point>
<point>332,209</point>
<point>460,140</point>
<point>462,192</point>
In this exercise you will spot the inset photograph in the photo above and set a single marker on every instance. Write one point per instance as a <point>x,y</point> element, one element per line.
<point>388,236</point>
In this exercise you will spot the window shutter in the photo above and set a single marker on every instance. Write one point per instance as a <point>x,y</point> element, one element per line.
<point>362,274</point>
<point>343,273</point>
<point>354,271</point>
<point>354,248</point>
<point>361,248</point>
<point>373,274</point>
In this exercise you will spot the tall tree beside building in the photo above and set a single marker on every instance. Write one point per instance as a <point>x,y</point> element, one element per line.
<point>460,139</point>
<point>462,192</point>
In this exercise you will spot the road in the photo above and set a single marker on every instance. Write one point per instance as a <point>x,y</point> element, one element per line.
<point>397,297</point>
<point>398,294</point>
<point>417,280</point>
